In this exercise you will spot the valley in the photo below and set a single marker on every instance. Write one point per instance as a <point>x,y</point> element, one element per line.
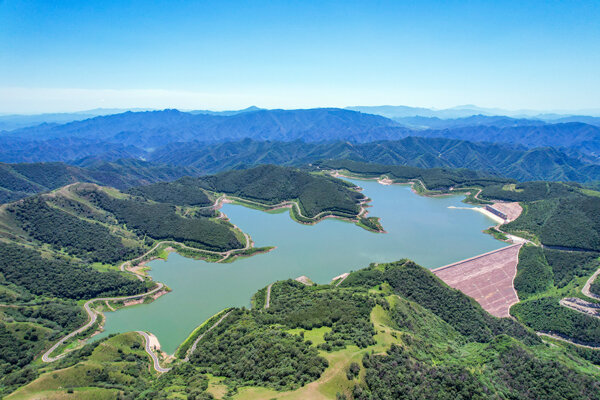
<point>414,225</point>
<point>275,200</point>
<point>278,216</point>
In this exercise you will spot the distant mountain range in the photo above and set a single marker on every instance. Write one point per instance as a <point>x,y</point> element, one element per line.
<point>523,149</point>
<point>148,130</point>
<point>470,110</point>
<point>10,122</point>
<point>510,161</point>
<point>135,132</point>
<point>192,159</point>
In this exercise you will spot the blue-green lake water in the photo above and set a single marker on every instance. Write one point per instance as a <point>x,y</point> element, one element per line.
<point>421,228</point>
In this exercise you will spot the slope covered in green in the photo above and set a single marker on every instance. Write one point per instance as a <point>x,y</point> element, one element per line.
<point>266,185</point>
<point>368,338</point>
<point>432,178</point>
<point>22,180</point>
<point>516,162</point>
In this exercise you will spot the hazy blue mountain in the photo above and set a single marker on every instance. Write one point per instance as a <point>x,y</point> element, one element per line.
<point>578,118</point>
<point>474,120</point>
<point>16,150</point>
<point>470,110</point>
<point>447,113</point>
<point>155,128</point>
<point>226,113</point>
<point>138,134</point>
<point>15,121</point>
<point>583,137</point>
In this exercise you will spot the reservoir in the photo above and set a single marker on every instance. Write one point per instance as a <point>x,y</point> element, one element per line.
<point>420,228</point>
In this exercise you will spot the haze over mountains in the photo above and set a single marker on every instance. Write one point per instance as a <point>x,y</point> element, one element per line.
<point>565,148</point>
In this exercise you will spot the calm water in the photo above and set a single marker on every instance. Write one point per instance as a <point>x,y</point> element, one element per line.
<point>420,228</point>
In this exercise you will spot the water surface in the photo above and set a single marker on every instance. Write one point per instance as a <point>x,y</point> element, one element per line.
<point>423,229</point>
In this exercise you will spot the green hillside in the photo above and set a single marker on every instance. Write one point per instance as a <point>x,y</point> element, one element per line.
<point>516,162</point>
<point>22,180</point>
<point>376,336</point>
<point>310,196</point>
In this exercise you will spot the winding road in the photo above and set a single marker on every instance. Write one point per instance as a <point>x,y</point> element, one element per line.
<point>343,278</point>
<point>586,288</point>
<point>565,339</point>
<point>93,316</point>
<point>268,297</point>
<point>224,254</point>
<point>151,353</point>
<point>199,338</point>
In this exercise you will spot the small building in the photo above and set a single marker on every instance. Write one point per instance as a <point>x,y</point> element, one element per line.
<point>495,211</point>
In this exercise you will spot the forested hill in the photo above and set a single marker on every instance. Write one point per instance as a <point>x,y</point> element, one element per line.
<point>500,159</point>
<point>575,135</point>
<point>433,178</point>
<point>268,185</point>
<point>391,331</point>
<point>554,214</point>
<point>65,246</point>
<point>21,180</point>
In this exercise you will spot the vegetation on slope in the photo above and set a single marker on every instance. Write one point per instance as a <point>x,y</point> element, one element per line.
<point>464,314</point>
<point>511,161</point>
<point>22,180</point>
<point>271,185</point>
<point>58,278</point>
<point>161,221</point>
<point>547,315</point>
<point>415,350</point>
<point>248,352</point>
<point>544,277</point>
<point>432,178</point>
<point>89,241</point>
<point>182,192</point>
<point>534,275</point>
<point>556,214</point>
<point>565,219</point>
<point>113,368</point>
<point>25,330</point>
<point>529,191</point>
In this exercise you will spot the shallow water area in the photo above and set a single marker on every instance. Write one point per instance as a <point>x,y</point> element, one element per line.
<point>420,228</point>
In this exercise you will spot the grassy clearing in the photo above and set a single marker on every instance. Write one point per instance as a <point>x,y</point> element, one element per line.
<point>334,378</point>
<point>496,234</point>
<point>590,192</point>
<point>316,335</point>
<point>216,387</point>
<point>511,187</point>
<point>107,361</point>
<point>86,393</point>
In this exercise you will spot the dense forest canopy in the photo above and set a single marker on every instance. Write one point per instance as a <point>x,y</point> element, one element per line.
<point>161,221</point>
<point>429,326</point>
<point>421,347</point>
<point>432,178</point>
<point>21,180</point>
<point>271,185</point>
<point>59,278</point>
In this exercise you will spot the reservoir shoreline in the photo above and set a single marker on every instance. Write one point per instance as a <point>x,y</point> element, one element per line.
<point>319,251</point>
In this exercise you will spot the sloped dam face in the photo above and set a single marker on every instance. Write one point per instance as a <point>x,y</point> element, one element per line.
<point>420,228</point>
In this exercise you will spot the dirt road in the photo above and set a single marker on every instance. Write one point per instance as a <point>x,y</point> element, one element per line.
<point>151,353</point>
<point>93,316</point>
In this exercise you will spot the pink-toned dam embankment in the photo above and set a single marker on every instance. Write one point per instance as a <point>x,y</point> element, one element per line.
<point>488,278</point>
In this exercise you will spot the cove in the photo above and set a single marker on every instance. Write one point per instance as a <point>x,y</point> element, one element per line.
<point>420,228</point>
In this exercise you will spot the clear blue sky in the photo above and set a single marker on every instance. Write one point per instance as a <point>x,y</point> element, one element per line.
<point>74,55</point>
